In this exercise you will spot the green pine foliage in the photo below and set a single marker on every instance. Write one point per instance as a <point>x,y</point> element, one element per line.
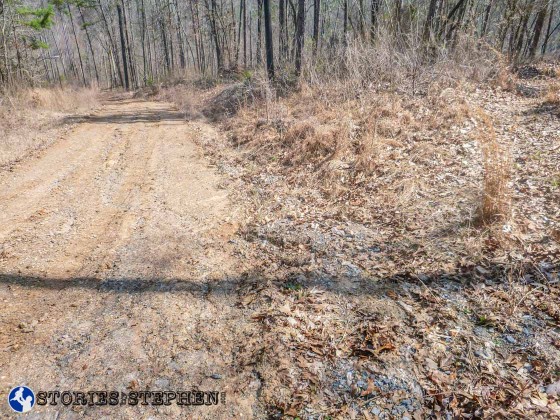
<point>40,18</point>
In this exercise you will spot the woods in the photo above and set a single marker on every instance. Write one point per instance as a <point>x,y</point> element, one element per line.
<point>134,43</point>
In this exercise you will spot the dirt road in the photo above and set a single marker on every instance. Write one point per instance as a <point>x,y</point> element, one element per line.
<point>115,268</point>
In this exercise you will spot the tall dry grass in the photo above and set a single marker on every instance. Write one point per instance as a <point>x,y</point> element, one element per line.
<point>496,195</point>
<point>50,99</point>
<point>28,117</point>
<point>387,132</point>
<point>376,115</point>
<point>404,64</point>
<point>552,96</point>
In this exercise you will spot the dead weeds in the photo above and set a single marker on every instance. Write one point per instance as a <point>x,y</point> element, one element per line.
<point>27,117</point>
<point>378,293</point>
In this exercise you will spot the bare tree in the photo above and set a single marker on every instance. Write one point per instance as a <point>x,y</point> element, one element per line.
<point>123,47</point>
<point>300,35</point>
<point>316,17</point>
<point>268,40</point>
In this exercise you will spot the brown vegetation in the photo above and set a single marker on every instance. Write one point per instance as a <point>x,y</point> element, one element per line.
<point>27,117</point>
<point>496,158</point>
<point>397,181</point>
<point>388,217</point>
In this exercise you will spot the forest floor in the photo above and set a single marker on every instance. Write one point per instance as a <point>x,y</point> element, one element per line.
<point>148,251</point>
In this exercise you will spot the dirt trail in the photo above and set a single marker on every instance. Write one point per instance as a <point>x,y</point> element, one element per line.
<point>115,268</point>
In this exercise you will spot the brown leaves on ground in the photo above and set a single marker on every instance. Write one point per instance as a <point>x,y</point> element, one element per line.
<point>374,338</point>
<point>376,295</point>
<point>375,352</point>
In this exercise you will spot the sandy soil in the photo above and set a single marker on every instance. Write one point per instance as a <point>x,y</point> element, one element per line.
<point>116,268</point>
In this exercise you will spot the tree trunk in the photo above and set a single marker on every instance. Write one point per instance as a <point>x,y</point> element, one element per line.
<point>259,31</point>
<point>300,36</point>
<point>283,32</point>
<point>143,41</point>
<point>429,25</point>
<point>214,32</point>
<point>486,19</point>
<point>113,44</point>
<point>123,47</point>
<point>345,24</point>
<point>548,29</point>
<point>129,45</point>
<point>374,12</point>
<point>8,77</point>
<point>362,19</point>
<point>244,33</point>
<point>59,53</point>
<point>268,40</point>
<point>90,44</point>
<point>165,46</point>
<point>182,52</point>
<point>77,44</point>
<point>316,18</point>
<point>398,15</point>
<point>200,57</point>
<point>539,23</point>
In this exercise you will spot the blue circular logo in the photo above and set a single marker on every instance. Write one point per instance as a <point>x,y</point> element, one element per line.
<point>21,399</point>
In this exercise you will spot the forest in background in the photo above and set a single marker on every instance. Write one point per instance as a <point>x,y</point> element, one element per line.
<point>136,43</point>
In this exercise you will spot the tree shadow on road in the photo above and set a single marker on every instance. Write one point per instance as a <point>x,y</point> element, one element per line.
<point>127,117</point>
<point>351,285</point>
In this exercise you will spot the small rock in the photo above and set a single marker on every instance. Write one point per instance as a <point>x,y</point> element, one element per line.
<point>162,383</point>
<point>510,339</point>
<point>481,353</point>
<point>423,277</point>
<point>553,389</point>
<point>376,411</point>
<point>337,231</point>
<point>351,269</point>
<point>216,376</point>
<point>26,328</point>
<point>480,331</point>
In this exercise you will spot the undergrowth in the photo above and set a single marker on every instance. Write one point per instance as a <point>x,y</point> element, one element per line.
<point>26,116</point>
<point>392,137</point>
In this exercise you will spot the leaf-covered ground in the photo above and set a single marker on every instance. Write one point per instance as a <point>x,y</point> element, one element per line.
<point>378,291</point>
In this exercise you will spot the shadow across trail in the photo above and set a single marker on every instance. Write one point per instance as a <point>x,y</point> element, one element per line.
<point>347,286</point>
<point>121,285</point>
<point>128,116</point>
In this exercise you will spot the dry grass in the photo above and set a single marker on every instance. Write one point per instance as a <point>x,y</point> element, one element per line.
<point>552,95</point>
<point>52,99</point>
<point>180,95</point>
<point>27,117</point>
<point>410,187</point>
<point>384,157</point>
<point>414,156</point>
<point>411,174</point>
<point>385,136</point>
<point>496,198</point>
<point>404,65</point>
